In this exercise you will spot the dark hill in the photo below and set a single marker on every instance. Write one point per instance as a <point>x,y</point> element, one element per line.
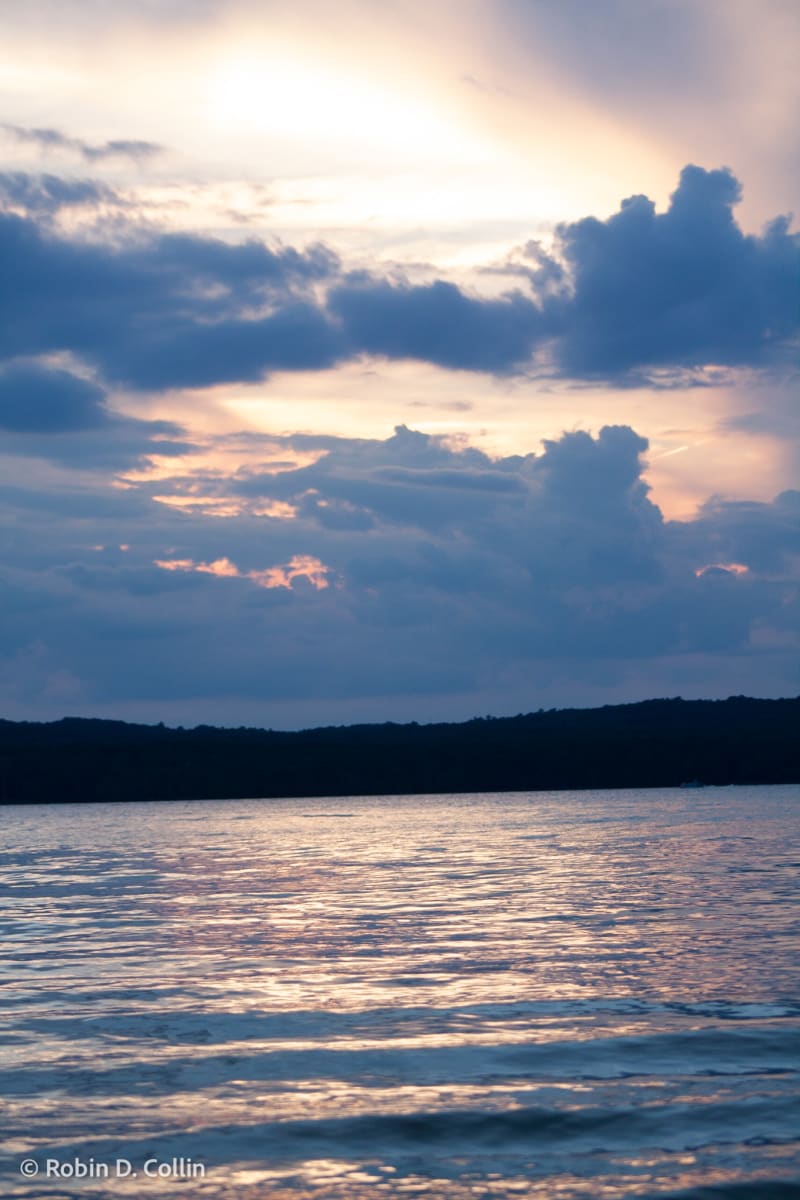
<point>652,744</point>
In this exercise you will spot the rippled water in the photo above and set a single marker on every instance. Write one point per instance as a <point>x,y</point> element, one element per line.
<point>584,994</point>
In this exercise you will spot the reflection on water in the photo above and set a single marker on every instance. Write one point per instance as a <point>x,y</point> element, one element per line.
<point>561,995</point>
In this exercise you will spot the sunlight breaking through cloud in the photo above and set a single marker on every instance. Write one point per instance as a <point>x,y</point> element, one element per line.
<point>299,566</point>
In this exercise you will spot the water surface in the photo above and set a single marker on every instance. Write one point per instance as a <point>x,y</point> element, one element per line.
<point>590,994</point>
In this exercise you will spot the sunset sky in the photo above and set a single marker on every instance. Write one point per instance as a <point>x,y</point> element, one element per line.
<point>391,360</point>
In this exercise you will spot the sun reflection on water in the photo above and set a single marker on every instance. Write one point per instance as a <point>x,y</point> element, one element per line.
<point>555,996</point>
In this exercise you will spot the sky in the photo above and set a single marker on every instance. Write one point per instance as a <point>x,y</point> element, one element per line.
<point>390,360</point>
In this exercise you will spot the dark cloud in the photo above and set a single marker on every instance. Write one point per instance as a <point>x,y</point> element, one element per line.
<point>410,480</point>
<point>639,295</point>
<point>35,399</point>
<point>123,444</point>
<point>546,536</point>
<point>54,414</point>
<point>450,574</point>
<point>55,139</point>
<point>184,353</point>
<point>437,323</point>
<point>578,512</point>
<point>678,289</point>
<point>173,310</point>
<point>765,536</point>
<point>241,266</point>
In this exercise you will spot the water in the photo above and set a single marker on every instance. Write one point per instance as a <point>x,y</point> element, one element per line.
<point>587,995</point>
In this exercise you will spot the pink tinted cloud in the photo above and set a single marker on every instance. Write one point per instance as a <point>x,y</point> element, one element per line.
<point>304,566</point>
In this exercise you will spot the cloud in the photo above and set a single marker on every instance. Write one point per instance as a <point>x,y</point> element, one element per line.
<point>55,139</point>
<point>409,480</point>
<point>684,288</point>
<point>638,293</point>
<point>35,399</point>
<point>437,323</point>
<point>414,481</point>
<point>41,195</point>
<point>449,574</point>
<point>180,352</point>
<point>52,413</point>
<point>248,268</point>
<point>765,537</point>
<point>170,310</point>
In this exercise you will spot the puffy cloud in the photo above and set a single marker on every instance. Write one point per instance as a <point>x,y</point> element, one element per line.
<point>681,288</point>
<point>410,479</point>
<point>637,292</point>
<point>448,573</point>
<point>170,310</point>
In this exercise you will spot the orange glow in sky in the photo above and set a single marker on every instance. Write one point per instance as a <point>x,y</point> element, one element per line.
<point>299,566</point>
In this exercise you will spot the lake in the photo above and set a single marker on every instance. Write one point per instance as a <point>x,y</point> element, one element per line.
<point>550,995</point>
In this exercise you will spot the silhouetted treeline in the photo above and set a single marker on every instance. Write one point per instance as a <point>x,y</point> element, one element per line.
<point>652,744</point>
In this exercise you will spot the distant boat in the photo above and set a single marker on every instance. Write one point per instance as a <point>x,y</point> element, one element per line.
<point>693,783</point>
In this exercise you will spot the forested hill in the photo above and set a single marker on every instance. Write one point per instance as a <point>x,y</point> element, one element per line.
<point>651,744</point>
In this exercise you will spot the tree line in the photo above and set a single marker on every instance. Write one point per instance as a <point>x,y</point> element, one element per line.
<point>656,743</point>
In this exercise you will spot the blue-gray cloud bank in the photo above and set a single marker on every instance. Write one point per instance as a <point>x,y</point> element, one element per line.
<point>641,290</point>
<point>413,579</point>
